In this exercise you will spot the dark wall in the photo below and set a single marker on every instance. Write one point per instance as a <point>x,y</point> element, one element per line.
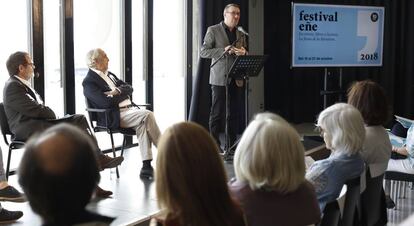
<point>211,12</point>
<point>295,93</point>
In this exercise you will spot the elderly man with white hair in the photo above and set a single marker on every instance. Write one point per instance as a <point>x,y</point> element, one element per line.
<point>104,90</point>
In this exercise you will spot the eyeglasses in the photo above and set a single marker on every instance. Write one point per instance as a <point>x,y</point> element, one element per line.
<point>234,13</point>
<point>31,64</point>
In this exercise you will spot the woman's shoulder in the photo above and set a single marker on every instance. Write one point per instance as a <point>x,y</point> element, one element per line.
<point>319,167</point>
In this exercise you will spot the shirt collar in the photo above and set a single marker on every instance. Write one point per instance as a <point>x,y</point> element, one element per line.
<point>27,83</point>
<point>226,27</point>
<point>99,72</point>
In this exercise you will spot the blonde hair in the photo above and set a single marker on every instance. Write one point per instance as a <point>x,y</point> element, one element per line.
<point>270,155</point>
<point>344,127</point>
<point>191,184</point>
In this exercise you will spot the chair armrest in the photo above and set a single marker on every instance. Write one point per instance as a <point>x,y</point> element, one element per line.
<point>18,142</point>
<point>99,110</point>
<point>141,105</point>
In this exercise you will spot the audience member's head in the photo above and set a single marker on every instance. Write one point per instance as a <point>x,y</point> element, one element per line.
<point>15,61</point>
<point>342,128</point>
<point>97,59</point>
<point>59,173</point>
<point>190,178</point>
<point>370,99</point>
<point>270,155</point>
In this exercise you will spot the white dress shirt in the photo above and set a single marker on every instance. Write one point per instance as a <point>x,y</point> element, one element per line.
<point>28,84</point>
<point>111,85</point>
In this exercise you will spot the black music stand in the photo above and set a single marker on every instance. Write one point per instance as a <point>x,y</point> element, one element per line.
<point>243,67</point>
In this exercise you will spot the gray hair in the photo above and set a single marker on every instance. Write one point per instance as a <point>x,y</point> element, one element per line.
<point>344,127</point>
<point>270,155</point>
<point>91,57</point>
<point>230,5</point>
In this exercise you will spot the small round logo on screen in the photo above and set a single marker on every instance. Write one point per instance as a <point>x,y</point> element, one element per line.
<point>374,17</point>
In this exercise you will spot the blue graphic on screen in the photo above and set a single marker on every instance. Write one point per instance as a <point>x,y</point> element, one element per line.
<point>332,35</point>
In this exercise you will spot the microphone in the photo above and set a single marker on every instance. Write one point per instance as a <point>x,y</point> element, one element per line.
<point>240,28</point>
<point>36,74</point>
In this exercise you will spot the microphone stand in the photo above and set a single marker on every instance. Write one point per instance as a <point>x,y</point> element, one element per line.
<point>224,53</point>
<point>226,130</point>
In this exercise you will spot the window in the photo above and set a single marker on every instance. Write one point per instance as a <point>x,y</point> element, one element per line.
<point>52,42</point>
<point>15,37</point>
<point>96,24</point>
<point>169,61</point>
<point>138,80</point>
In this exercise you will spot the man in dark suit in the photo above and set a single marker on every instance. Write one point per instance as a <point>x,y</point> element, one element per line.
<point>104,90</point>
<point>27,114</point>
<point>219,39</point>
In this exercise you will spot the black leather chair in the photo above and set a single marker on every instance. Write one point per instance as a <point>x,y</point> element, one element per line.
<point>11,142</point>
<point>373,207</point>
<point>350,215</point>
<point>332,212</point>
<point>93,118</point>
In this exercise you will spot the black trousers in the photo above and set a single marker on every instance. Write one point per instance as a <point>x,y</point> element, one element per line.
<point>218,111</point>
<point>75,120</point>
<point>81,122</point>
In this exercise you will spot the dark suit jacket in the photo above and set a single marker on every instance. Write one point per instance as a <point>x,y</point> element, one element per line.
<point>24,113</point>
<point>213,46</point>
<point>94,88</point>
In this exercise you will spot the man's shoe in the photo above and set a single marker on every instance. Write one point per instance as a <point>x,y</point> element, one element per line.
<point>7,216</point>
<point>107,162</point>
<point>389,202</point>
<point>101,193</point>
<point>147,172</point>
<point>11,194</point>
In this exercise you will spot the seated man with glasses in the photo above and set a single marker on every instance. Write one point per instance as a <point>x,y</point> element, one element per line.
<point>27,114</point>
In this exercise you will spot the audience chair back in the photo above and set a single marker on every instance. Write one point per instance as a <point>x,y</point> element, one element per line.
<point>350,215</point>
<point>332,211</point>
<point>12,143</point>
<point>5,129</point>
<point>400,180</point>
<point>93,115</point>
<point>373,207</point>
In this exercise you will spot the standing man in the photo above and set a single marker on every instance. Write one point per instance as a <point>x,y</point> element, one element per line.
<point>220,38</point>
<point>27,114</point>
<point>104,90</point>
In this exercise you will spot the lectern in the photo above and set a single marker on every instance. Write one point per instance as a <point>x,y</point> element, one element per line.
<point>243,67</point>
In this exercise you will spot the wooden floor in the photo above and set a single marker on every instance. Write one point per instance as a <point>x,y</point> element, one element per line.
<point>134,200</point>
